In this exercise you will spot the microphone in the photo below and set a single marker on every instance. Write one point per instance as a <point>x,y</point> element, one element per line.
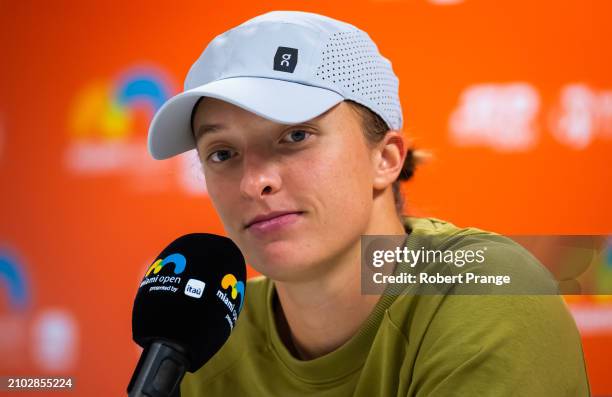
<point>185,309</point>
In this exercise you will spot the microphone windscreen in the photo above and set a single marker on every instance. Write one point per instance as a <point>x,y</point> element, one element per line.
<point>191,295</point>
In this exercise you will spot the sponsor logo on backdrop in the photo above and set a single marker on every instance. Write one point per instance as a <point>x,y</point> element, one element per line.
<point>593,314</point>
<point>108,124</point>
<point>604,277</point>
<point>55,333</point>
<point>101,121</point>
<point>501,116</point>
<point>15,282</point>
<point>507,117</point>
<point>43,337</point>
<point>581,115</point>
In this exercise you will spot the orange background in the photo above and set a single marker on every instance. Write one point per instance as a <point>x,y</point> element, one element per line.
<point>82,239</point>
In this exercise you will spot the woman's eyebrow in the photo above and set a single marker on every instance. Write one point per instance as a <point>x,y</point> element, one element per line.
<point>207,128</point>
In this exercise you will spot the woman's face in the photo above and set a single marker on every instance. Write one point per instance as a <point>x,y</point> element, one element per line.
<point>318,172</point>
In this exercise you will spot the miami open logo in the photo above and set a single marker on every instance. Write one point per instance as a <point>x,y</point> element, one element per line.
<point>107,120</point>
<point>230,284</point>
<point>165,282</point>
<point>178,260</point>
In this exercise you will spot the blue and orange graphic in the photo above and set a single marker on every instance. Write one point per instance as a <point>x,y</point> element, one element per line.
<point>178,260</point>
<point>604,272</point>
<point>104,109</point>
<point>229,280</point>
<point>11,275</point>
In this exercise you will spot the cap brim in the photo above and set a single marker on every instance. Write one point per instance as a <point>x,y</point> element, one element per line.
<point>280,101</point>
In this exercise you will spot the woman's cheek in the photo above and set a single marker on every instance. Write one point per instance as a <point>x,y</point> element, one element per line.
<point>220,194</point>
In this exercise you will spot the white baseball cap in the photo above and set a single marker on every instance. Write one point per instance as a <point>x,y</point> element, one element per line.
<point>285,66</point>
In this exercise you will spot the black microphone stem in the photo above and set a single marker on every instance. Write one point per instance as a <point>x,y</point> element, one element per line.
<point>159,371</point>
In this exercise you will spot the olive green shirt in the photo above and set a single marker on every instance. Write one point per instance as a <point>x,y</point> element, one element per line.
<point>413,345</point>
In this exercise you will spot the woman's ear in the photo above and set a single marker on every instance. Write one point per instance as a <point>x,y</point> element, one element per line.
<point>389,157</point>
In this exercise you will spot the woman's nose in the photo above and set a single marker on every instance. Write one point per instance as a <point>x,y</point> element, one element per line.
<point>260,176</point>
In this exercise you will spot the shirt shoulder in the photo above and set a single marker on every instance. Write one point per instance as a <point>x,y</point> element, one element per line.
<point>529,343</point>
<point>480,253</point>
<point>491,344</point>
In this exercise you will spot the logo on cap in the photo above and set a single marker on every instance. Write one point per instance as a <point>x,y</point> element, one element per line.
<point>285,59</point>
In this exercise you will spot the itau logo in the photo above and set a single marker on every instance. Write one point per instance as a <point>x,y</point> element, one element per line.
<point>194,288</point>
<point>285,59</point>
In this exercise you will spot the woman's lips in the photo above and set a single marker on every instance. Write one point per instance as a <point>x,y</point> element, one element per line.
<point>275,224</point>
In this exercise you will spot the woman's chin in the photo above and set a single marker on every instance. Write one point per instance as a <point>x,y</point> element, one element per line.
<point>280,265</point>
<point>280,251</point>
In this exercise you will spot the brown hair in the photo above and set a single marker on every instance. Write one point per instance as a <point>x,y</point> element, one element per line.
<point>374,130</point>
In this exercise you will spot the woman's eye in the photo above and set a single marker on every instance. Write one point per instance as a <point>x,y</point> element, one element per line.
<point>220,156</point>
<point>297,135</point>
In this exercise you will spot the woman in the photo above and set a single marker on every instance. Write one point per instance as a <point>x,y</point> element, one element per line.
<point>297,122</point>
